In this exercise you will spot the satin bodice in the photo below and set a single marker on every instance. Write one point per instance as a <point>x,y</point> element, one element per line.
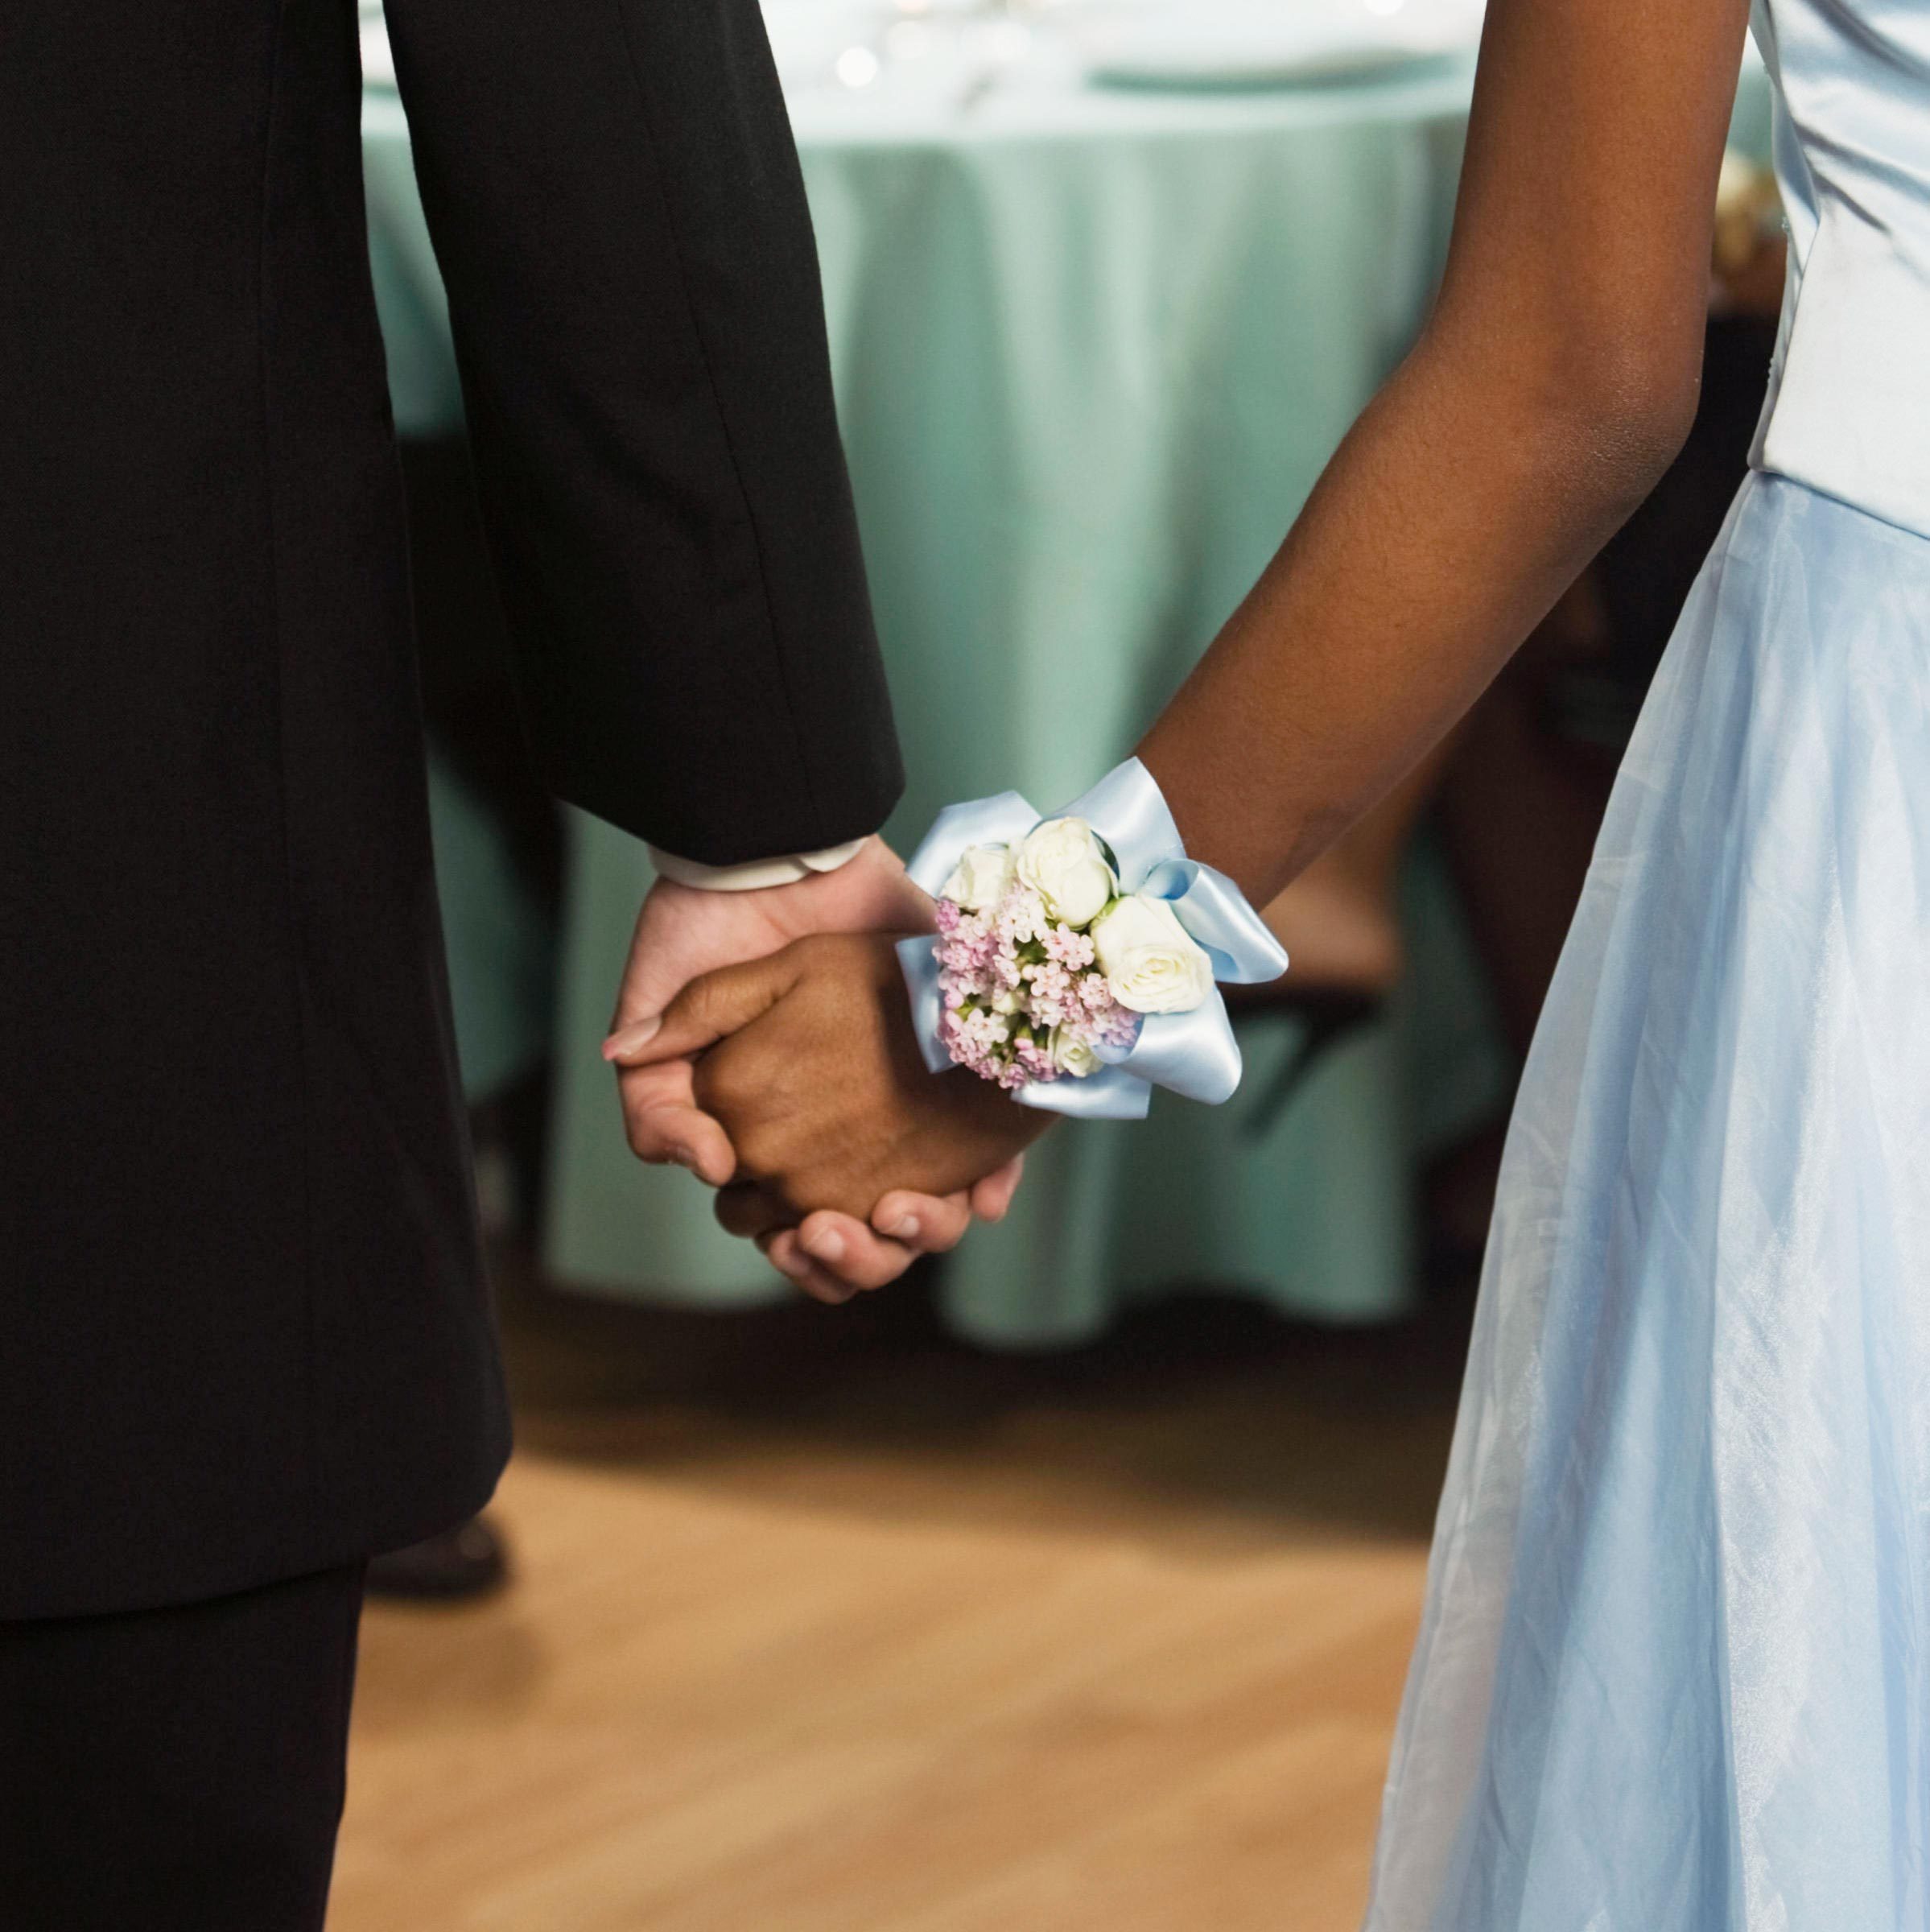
<point>1849,410</point>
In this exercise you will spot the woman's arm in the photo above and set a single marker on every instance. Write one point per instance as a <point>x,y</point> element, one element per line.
<point>1554,382</point>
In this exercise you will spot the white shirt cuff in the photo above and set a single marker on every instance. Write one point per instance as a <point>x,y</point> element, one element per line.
<point>758,874</point>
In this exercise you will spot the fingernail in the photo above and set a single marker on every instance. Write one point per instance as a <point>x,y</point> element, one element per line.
<point>827,1245</point>
<point>904,1226</point>
<point>627,1039</point>
<point>684,1158</point>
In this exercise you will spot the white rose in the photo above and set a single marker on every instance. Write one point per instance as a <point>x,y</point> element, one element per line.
<point>980,877</point>
<point>1152,964</point>
<point>1073,1056</point>
<point>1062,861</point>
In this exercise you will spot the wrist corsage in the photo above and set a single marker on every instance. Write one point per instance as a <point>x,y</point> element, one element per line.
<point>1077,956</point>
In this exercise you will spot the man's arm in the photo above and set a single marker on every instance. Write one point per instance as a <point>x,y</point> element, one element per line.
<point>617,210</point>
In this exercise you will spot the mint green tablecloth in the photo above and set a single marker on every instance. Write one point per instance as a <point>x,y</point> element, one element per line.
<point>1092,350</point>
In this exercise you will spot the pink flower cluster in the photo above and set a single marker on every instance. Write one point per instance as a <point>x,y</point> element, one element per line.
<point>1022,996</point>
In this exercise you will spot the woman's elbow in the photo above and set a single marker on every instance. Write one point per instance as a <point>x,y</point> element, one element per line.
<point>1626,409</point>
<point>1599,400</point>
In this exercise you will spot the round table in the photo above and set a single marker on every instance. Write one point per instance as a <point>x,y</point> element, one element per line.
<point>1092,348</point>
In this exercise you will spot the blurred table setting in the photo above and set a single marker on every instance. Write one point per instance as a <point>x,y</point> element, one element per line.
<point>1105,284</point>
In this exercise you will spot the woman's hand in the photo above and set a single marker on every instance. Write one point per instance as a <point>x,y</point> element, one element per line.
<point>809,1061</point>
<point>683,932</point>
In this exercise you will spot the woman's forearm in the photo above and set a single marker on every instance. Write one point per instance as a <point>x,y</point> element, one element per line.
<point>1456,512</point>
<point>1556,378</point>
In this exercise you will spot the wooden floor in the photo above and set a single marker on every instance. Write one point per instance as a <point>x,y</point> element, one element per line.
<point>823,1625</point>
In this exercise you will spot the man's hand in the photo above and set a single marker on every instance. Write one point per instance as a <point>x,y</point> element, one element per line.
<point>682,933</point>
<point>809,1061</point>
<point>834,1257</point>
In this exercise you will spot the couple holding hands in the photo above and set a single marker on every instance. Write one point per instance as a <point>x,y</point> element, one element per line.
<point>1073,966</point>
<point>1665,1676</point>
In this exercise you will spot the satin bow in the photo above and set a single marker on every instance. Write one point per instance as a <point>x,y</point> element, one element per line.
<point>1195,1054</point>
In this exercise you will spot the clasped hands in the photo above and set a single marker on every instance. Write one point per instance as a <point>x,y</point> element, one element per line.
<point>763,1040</point>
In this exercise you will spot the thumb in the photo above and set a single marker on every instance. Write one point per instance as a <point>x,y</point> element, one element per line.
<point>707,1010</point>
<point>992,1199</point>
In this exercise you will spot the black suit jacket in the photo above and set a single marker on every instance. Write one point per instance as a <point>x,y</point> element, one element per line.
<point>242,1332</point>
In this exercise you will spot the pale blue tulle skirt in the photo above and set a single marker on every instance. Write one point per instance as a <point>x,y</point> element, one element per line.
<point>1673,1672</point>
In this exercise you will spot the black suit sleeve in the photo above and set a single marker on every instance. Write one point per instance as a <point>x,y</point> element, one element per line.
<point>617,209</point>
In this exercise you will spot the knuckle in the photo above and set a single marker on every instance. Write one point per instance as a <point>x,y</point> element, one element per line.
<point>715,1085</point>
<point>693,1006</point>
<point>797,1188</point>
<point>747,1210</point>
<point>819,950</point>
<point>763,1153</point>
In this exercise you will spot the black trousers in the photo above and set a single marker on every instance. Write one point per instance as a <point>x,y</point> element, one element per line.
<point>177,1770</point>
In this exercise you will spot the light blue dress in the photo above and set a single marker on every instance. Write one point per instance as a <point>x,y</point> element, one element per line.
<point>1674,1672</point>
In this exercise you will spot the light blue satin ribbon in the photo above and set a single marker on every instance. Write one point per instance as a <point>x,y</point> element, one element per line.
<point>1195,1054</point>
